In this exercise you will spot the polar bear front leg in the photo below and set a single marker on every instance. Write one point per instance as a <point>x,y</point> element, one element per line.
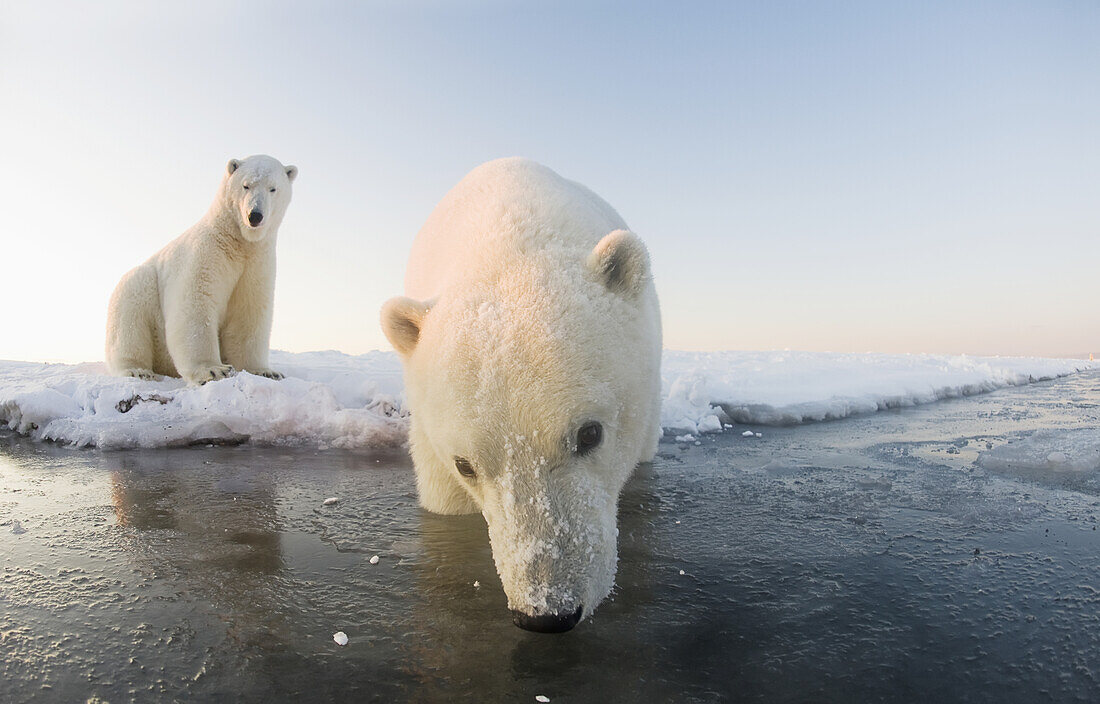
<point>246,342</point>
<point>129,350</point>
<point>191,331</point>
<point>246,337</point>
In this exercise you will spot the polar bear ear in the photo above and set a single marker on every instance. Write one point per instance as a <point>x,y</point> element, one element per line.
<point>291,172</point>
<point>401,320</point>
<point>232,165</point>
<point>621,262</point>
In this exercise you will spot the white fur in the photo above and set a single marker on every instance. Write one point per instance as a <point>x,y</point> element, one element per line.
<point>201,307</point>
<point>530,312</point>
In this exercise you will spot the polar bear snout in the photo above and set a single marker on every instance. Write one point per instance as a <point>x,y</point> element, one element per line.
<point>548,623</point>
<point>255,217</point>
<point>554,546</point>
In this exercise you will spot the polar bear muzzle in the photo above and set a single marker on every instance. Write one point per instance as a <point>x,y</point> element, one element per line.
<point>255,218</point>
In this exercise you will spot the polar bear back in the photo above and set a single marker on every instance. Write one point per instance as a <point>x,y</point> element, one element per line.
<point>499,208</point>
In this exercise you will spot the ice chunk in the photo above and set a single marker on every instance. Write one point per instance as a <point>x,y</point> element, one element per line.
<point>542,698</point>
<point>329,501</point>
<point>709,424</point>
<point>340,637</point>
<point>374,560</point>
<point>747,434</point>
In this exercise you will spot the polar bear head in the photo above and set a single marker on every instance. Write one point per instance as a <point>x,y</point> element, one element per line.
<point>256,192</point>
<point>531,389</point>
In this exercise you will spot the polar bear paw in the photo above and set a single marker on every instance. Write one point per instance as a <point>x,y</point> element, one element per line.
<point>139,373</point>
<point>269,373</point>
<point>211,372</point>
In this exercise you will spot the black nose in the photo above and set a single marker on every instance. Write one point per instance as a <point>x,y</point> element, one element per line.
<point>255,218</point>
<point>547,623</point>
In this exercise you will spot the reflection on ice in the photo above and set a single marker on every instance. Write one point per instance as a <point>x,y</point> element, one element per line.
<point>1066,457</point>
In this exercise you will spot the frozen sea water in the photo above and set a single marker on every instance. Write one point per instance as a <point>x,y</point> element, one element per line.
<point>933,553</point>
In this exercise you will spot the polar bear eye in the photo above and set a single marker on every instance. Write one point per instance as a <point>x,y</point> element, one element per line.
<point>244,187</point>
<point>589,437</point>
<point>272,190</point>
<point>464,467</point>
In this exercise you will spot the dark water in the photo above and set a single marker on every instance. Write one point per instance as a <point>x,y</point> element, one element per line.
<point>869,559</point>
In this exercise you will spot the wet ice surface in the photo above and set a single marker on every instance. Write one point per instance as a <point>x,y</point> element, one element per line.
<point>880,557</point>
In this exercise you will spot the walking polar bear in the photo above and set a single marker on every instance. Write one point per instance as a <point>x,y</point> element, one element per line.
<point>531,341</point>
<point>201,307</point>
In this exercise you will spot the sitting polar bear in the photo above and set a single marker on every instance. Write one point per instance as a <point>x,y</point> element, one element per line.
<point>201,307</point>
<point>531,341</point>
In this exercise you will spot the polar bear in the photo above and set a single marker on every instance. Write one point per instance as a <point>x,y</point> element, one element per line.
<point>531,341</point>
<point>201,307</point>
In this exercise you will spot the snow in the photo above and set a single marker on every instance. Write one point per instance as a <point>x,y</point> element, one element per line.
<point>330,399</point>
<point>783,387</point>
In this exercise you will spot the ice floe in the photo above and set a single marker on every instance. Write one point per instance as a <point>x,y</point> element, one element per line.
<point>334,400</point>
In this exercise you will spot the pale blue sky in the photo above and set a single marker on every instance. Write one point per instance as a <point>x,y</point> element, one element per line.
<point>920,177</point>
